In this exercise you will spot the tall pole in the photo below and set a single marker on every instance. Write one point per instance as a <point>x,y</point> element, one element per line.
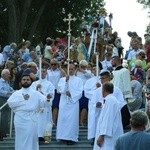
<point>97,64</point>
<point>69,19</point>
<point>40,68</point>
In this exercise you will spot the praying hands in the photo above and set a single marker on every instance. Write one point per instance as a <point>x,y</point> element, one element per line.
<point>49,97</point>
<point>68,93</point>
<point>26,96</point>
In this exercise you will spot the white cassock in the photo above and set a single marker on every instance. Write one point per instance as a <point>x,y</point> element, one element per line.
<point>109,124</point>
<point>26,117</point>
<point>68,116</point>
<point>89,88</point>
<point>121,79</point>
<point>45,112</point>
<point>119,96</point>
<point>98,97</point>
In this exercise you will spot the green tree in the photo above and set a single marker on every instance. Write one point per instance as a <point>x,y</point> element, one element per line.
<point>146,5</point>
<point>33,19</point>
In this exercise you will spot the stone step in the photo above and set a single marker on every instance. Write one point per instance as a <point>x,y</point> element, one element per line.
<point>81,138</point>
<point>83,144</point>
<point>55,147</point>
<point>81,133</point>
<point>10,142</point>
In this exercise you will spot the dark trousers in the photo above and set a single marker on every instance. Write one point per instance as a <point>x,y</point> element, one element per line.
<point>125,116</point>
<point>4,118</point>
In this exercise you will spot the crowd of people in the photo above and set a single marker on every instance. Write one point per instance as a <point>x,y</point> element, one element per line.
<point>107,103</point>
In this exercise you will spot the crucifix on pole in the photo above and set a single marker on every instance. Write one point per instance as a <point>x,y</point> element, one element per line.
<point>69,19</point>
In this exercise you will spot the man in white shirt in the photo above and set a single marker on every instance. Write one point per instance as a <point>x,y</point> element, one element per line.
<point>83,73</point>
<point>135,43</point>
<point>106,63</point>
<point>54,73</point>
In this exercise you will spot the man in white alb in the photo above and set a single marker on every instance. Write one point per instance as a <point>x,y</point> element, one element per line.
<point>25,103</point>
<point>70,88</point>
<point>90,86</point>
<point>109,124</point>
<point>45,87</point>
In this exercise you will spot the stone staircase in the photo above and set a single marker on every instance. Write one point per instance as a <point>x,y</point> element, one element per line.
<point>83,144</point>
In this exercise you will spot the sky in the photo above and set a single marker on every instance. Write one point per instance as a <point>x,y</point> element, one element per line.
<point>128,15</point>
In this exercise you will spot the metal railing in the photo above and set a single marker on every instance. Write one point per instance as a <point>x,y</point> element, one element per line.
<point>11,118</point>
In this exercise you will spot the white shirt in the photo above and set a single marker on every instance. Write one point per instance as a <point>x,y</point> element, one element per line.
<point>133,54</point>
<point>1,59</point>
<point>84,76</point>
<point>53,76</point>
<point>106,64</point>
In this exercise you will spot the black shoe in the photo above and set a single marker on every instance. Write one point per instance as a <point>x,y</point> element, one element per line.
<point>70,142</point>
<point>92,143</point>
<point>41,139</point>
<point>63,141</point>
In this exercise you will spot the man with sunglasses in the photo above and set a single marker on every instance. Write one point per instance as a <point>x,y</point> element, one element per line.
<point>54,73</point>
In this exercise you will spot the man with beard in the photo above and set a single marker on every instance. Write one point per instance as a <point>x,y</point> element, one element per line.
<point>25,103</point>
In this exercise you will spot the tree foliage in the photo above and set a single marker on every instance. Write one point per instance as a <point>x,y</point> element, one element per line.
<point>36,19</point>
<point>146,3</point>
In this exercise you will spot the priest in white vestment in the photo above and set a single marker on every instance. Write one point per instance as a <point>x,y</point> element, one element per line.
<point>121,78</point>
<point>90,86</point>
<point>25,103</point>
<point>45,87</point>
<point>109,126</point>
<point>71,88</point>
